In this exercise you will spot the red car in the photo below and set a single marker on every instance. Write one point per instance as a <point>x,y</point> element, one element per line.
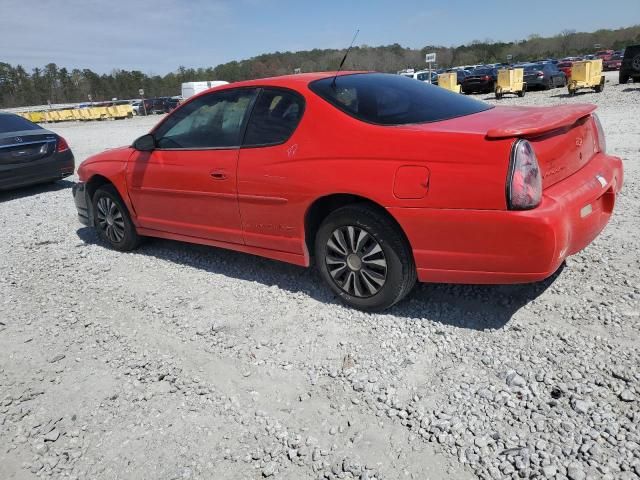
<point>565,67</point>
<point>604,54</point>
<point>376,179</point>
<point>614,63</point>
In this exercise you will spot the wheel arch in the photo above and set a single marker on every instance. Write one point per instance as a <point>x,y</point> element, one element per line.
<point>96,181</point>
<point>321,207</point>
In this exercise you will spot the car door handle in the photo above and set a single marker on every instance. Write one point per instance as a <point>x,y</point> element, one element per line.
<point>217,175</point>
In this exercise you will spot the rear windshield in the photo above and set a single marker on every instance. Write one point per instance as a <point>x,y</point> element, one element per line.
<point>386,99</point>
<point>531,68</point>
<point>14,123</point>
<point>483,71</point>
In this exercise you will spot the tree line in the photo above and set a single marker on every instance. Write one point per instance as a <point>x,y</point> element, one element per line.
<point>59,85</point>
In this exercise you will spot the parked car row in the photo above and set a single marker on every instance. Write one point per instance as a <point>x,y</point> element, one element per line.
<point>543,73</point>
<point>158,106</point>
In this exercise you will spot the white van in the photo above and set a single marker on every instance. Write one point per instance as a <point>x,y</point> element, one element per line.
<point>189,89</point>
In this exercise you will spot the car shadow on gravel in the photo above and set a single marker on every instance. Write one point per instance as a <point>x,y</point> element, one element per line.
<point>579,93</point>
<point>474,307</point>
<point>18,193</point>
<point>477,307</point>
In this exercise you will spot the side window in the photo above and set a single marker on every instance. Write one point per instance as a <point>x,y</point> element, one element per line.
<point>275,116</point>
<point>211,121</point>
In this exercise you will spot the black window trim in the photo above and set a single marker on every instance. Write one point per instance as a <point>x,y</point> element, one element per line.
<point>243,127</point>
<point>274,144</point>
<point>400,125</point>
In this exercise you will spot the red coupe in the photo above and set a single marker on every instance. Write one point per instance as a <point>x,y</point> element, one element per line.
<point>376,179</point>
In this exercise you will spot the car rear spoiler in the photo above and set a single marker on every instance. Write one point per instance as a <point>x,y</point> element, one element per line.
<point>538,120</point>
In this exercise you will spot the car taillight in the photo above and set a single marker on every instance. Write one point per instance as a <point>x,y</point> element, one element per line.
<point>524,183</point>
<point>63,146</point>
<point>487,77</point>
<point>602,142</point>
<point>540,74</point>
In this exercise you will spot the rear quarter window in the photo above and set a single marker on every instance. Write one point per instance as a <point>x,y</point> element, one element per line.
<point>386,99</point>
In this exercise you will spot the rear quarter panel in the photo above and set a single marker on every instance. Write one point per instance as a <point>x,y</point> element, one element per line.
<point>333,153</point>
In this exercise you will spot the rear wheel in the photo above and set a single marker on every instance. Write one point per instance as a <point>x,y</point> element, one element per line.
<point>364,258</point>
<point>623,78</point>
<point>600,87</point>
<point>112,220</point>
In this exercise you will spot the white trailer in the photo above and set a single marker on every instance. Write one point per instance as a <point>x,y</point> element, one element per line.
<point>189,89</point>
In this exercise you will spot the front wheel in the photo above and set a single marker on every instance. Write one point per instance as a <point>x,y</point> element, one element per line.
<point>112,220</point>
<point>364,258</point>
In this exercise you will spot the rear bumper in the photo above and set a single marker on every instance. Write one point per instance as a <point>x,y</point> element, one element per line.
<point>55,167</point>
<point>535,81</point>
<point>476,87</point>
<point>83,203</point>
<point>494,246</point>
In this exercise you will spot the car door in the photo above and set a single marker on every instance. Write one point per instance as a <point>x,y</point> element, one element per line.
<point>187,184</point>
<point>269,207</point>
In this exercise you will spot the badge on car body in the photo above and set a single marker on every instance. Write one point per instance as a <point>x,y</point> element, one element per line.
<point>18,139</point>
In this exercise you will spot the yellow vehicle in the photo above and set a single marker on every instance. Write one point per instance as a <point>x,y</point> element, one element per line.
<point>586,74</point>
<point>510,80</point>
<point>449,81</point>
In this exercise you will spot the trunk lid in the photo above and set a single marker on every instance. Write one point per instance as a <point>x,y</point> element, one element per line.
<point>564,138</point>
<point>26,146</point>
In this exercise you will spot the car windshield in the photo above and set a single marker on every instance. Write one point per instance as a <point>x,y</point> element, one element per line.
<point>386,99</point>
<point>564,64</point>
<point>14,123</point>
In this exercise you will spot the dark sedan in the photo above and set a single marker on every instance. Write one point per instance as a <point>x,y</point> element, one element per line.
<point>29,154</point>
<point>544,75</point>
<point>481,79</point>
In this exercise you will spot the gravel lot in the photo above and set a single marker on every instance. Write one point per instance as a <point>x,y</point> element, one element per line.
<point>180,361</point>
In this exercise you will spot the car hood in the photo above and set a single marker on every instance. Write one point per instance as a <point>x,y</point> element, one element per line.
<point>118,154</point>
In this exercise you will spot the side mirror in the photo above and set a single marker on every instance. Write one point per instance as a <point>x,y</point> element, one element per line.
<point>146,143</point>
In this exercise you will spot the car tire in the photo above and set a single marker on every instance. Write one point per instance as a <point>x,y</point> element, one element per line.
<point>364,258</point>
<point>112,220</point>
<point>549,84</point>
<point>600,87</point>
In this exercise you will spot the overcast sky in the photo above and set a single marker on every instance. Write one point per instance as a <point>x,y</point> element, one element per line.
<point>156,36</point>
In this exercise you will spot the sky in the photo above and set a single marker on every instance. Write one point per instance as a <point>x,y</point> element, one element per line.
<point>157,36</point>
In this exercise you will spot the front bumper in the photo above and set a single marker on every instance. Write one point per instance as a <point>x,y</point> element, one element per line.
<point>499,246</point>
<point>83,203</point>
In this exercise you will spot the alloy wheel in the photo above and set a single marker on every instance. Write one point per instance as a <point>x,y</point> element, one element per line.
<point>356,262</point>
<point>110,219</point>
